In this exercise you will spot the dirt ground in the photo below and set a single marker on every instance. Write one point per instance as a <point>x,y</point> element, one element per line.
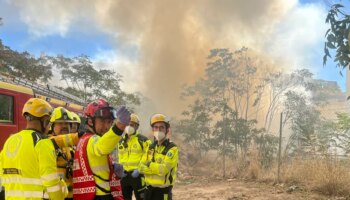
<point>233,189</point>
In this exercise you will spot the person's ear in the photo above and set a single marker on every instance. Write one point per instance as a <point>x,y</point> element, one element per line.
<point>90,122</point>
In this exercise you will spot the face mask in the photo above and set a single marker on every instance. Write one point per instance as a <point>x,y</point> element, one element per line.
<point>129,130</point>
<point>159,135</point>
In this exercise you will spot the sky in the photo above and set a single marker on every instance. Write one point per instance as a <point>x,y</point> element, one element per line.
<point>159,46</point>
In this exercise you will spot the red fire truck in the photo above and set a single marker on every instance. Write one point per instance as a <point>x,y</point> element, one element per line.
<point>14,92</point>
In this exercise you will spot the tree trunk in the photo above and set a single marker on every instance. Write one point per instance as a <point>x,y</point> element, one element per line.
<point>224,160</point>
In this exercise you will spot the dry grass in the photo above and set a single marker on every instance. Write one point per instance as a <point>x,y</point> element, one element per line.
<point>325,175</point>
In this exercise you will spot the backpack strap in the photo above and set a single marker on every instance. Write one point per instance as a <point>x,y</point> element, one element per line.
<point>141,139</point>
<point>168,146</point>
<point>37,137</point>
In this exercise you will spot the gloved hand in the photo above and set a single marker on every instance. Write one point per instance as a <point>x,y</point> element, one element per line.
<point>119,170</point>
<point>135,173</point>
<point>123,115</point>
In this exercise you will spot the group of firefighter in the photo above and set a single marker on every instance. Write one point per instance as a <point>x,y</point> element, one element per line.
<point>60,156</point>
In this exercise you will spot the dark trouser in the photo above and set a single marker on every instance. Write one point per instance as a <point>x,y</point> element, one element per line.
<point>154,193</point>
<point>2,193</point>
<point>130,184</point>
<point>104,197</point>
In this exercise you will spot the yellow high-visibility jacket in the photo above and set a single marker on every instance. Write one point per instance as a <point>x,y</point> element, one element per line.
<point>62,168</point>
<point>159,164</point>
<point>67,140</point>
<point>28,167</point>
<point>98,149</point>
<point>130,150</point>
<point>64,157</point>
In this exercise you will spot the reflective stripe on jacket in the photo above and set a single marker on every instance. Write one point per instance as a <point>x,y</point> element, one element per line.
<point>97,149</point>
<point>28,167</point>
<point>65,154</point>
<point>130,150</point>
<point>159,165</point>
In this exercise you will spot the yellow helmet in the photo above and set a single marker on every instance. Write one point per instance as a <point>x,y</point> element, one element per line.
<point>134,118</point>
<point>37,108</point>
<point>159,118</point>
<point>76,117</point>
<point>61,114</point>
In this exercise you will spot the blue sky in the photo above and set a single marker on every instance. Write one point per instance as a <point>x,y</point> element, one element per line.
<point>90,39</point>
<point>15,33</point>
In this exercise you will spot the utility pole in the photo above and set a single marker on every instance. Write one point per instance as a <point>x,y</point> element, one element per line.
<point>279,149</point>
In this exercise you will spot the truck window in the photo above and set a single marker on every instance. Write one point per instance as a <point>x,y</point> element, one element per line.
<point>6,109</point>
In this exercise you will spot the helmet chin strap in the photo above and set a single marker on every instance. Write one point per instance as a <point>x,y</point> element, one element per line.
<point>43,128</point>
<point>93,125</point>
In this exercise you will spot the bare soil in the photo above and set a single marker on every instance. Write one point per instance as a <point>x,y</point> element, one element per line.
<point>233,189</point>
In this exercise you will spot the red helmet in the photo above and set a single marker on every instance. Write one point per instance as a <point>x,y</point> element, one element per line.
<point>99,108</point>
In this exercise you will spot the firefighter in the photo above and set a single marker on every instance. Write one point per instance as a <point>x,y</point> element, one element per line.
<point>159,164</point>
<point>130,150</point>
<point>76,123</point>
<point>28,159</point>
<point>60,125</point>
<point>93,176</point>
<point>71,139</point>
<point>60,121</point>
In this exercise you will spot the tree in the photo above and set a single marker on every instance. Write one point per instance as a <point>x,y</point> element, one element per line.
<point>303,119</point>
<point>276,85</point>
<point>90,82</point>
<point>337,36</point>
<point>78,73</point>
<point>343,132</point>
<point>82,77</point>
<point>228,90</point>
<point>267,148</point>
<point>230,94</point>
<point>196,126</point>
<point>24,65</point>
<point>327,134</point>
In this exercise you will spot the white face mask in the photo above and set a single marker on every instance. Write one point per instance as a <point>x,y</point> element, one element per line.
<point>129,130</point>
<point>159,135</point>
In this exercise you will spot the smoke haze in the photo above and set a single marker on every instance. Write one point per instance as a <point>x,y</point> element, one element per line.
<point>172,38</point>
